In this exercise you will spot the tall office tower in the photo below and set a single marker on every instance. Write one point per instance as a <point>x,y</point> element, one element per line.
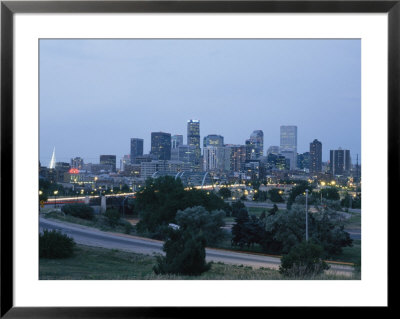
<point>161,145</point>
<point>124,161</point>
<point>315,156</point>
<point>184,153</point>
<point>136,149</point>
<point>216,158</point>
<point>257,139</point>
<point>77,162</point>
<point>288,146</point>
<point>303,161</point>
<point>176,141</point>
<point>249,149</point>
<point>273,150</point>
<point>193,138</point>
<point>213,140</point>
<point>340,162</point>
<point>237,157</point>
<point>110,160</point>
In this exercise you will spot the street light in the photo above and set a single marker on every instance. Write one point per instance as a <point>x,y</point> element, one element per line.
<point>55,198</point>
<point>306,214</point>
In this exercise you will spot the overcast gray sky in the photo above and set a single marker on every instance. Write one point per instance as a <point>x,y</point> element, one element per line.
<point>97,94</point>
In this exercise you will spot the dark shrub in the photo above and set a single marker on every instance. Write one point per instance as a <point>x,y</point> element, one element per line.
<point>79,210</point>
<point>303,261</point>
<point>54,244</point>
<point>185,254</point>
<point>112,216</point>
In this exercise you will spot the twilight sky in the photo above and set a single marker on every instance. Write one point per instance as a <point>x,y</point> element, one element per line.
<point>97,94</point>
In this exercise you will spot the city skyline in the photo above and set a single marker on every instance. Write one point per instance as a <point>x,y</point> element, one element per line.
<point>317,90</point>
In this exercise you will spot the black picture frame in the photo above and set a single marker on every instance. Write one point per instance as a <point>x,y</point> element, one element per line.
<point>9,8</point>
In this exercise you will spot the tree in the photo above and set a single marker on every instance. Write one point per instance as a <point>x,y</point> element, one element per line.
<point>185,254</point>
<point>113,216</point>
<point>275,196</point>
<point>297,190</point>
<point>248,230</point>
<point>236,207</point>
<point>161,198</point>
<point>303,261</point>
<point>225,192</point>
<point>78,210</point>
<point>330,193</point>
<point>287,229</point>
<point>273,210</point>
<point>198,220</point>
<point>55,244</point>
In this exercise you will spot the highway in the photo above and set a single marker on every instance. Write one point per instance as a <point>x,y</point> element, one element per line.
<point>93,237</point>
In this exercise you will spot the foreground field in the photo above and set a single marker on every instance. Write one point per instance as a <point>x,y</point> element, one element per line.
<point>91,263</point>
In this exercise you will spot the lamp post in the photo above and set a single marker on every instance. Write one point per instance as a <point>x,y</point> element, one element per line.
<point>55,198</point>
<point>306,214</point>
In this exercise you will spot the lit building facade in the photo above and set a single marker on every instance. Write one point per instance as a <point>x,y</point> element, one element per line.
<point>136,149</point>
<point>257,140</point>
<point>193,139</point>
<point>110,160</point>
<point>340,162</point>
<point>288,144</point>
<point>161,145</point>
<point>315,156</point>
<point>213,140</point>
<point>77,162</point>
<point>176,141</point>
<point>237,157</point>
<point>216,158</point>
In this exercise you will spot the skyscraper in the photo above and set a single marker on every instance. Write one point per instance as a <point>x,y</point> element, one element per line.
<point>216,158</point>
<point>110,160</point>
<point>213,140</point>
<point>288,145</point>
<point>136,149</point>
<point>257,139</point>
<point>340,162</point>
<point>161,145</point>
<point>193,138</point>
<point>237,157</point>
<point>315,156</point>
<point>176,141</point>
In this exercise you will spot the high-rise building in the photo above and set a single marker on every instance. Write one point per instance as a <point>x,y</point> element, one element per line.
<point>161,145</point>
<point>237,157</point>
<point>77,162</point>
<point>216,158</point>
<point>273,150</point>
<point>176,141</point>
<point>213,140</point>
<point>193,139</point>
<point>315,156</point>
<point>340,162</point>
<point>110,160</point>
<point>288,144</point>
<point>292,157</point>
<point>124,161</point>
<point>303,161</point>
<point>257,139</point>
<point>136,149</point>
<point>184,153</point>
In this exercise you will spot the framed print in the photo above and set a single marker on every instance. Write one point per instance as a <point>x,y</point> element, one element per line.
<point>191,151</point>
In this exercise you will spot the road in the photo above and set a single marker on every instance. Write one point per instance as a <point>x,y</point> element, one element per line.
<point>93,237</point>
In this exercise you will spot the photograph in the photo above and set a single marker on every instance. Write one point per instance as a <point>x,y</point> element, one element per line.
<point>199,159</point>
